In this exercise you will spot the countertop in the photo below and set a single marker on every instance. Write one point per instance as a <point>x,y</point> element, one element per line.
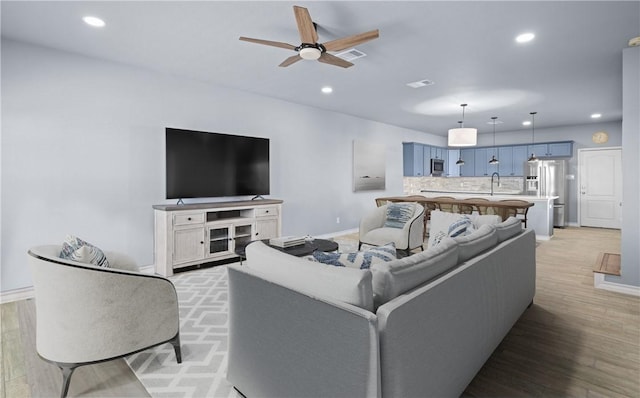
<point>487,195</point>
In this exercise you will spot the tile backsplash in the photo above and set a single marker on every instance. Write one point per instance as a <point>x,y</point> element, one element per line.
<point>415,185</point>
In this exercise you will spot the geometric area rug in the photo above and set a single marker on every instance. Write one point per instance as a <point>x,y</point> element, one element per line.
<point>204,332</point>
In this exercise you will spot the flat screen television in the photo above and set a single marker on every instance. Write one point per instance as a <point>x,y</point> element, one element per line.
<point>205,165</point>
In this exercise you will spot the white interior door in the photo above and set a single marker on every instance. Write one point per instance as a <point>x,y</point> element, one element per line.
<point>600,187</point>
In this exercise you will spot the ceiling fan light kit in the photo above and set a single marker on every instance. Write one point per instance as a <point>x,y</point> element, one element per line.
<point>311,53</point>
<point>310,49</point>
<point>462,136</point>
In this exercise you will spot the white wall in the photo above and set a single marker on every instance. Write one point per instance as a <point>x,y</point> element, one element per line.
<point>630,266</point>
<point>83,153</point>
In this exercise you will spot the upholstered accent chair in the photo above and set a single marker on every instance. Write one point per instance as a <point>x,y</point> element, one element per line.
<point>87,314</point>
<point>379,227</point>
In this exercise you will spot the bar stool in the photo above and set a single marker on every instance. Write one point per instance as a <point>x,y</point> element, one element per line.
<point>516,208</point>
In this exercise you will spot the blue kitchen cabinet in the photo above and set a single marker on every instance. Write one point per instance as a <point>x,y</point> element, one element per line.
<point>453,170</point>
<point>480,161</point>
<point>520,156</point>
<point>560,149</point>
<point>468,168</point>
<point>413,159</point>
<point>505,157</point>
<point>552,149</point>
<point>511,160</point>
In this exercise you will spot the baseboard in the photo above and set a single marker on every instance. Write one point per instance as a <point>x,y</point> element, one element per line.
<point>338,233</point>
<point>600,283</point>
<point>16,295</point>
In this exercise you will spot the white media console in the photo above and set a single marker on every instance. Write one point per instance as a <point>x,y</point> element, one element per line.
<point>192,234</point>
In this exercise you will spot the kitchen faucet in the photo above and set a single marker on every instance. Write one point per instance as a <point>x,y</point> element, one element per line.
<point>495,173</point>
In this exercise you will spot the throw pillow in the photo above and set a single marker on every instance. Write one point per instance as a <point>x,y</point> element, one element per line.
<point>444,224</point>
<point>360,259</point>
<point>75,249</point>
<point>398,214</point>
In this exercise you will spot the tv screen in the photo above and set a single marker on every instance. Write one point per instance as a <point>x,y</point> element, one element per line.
<point>202,165</point>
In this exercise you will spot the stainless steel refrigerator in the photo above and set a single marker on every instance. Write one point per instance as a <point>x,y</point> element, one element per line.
<point>547,178</point>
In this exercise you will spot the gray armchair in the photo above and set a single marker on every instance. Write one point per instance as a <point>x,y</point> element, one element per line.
<point>87,314</point>
<point>373,231</point>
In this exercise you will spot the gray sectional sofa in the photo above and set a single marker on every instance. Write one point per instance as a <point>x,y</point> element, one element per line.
<point>420,326</point>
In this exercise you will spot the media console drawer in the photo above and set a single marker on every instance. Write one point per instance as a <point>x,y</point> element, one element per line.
<point>188,218</point>
<point>266,211</point>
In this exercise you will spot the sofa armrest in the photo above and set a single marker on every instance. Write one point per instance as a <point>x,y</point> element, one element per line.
<point>435,338</point>
<point>284,343</point>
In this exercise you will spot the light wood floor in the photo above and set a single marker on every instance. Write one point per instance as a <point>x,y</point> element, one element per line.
<point>574,341</point>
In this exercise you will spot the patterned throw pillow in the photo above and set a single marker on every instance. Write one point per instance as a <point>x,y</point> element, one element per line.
<point>398,214</point>
<point>445,224</point>
<point>361,259</point>
<point>75,249</point>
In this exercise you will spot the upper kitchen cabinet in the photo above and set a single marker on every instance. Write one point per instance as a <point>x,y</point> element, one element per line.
<point>451,168</point>
<point>511,160</point>
<point>482,166</point>
<point>468,155</point>
<point>552,149</point>
<point>413,159</point>
<point>437,153</point>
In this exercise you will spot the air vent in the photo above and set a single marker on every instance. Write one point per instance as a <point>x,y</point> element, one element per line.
<point>421,83</point>
<point>350,55</point>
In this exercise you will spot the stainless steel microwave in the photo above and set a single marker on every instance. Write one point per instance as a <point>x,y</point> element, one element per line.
<point>437,167</point>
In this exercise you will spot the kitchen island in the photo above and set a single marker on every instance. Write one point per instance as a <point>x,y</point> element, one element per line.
<point>539,217</point>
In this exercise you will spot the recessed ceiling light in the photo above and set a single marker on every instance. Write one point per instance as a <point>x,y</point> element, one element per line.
<point>93,21</point>
<point>526,123</point>
<point>525,37</point>
<point>596,115</point>
<point>327,90</point>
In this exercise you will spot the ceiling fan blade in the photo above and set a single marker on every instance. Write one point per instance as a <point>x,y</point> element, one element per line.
<point>269,43</point>
<point>333,60</point>
<point>351,41</point>
<point>291,60</point>
<point>305,25</point>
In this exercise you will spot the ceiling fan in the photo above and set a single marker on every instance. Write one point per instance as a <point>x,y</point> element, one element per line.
<point>310,48</point>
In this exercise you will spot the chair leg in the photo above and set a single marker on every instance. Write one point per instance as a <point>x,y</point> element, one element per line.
<point>67,371</point>
<point>175,342</point>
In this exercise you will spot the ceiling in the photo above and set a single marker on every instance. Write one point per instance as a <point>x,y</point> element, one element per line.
<point>572,68</point>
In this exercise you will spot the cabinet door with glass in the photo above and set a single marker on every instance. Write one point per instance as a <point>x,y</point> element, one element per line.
<point>224,239</point>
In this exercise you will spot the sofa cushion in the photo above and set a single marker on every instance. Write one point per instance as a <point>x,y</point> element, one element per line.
<point>398,214</point>
<point>476,242</point>
<point>510,227</point>
<point>75,249</point>
<point>443,224</point>
<point>361,259</point>
<point>390,279</point>
<point>346,284</point>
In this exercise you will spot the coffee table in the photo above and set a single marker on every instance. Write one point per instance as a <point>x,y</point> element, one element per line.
<point>309,247</point>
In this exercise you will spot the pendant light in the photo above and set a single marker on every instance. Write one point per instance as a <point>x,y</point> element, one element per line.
<point>460,161</point>
<point>493,157</point>
<point>462,136</point>
<point>533,157</point>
